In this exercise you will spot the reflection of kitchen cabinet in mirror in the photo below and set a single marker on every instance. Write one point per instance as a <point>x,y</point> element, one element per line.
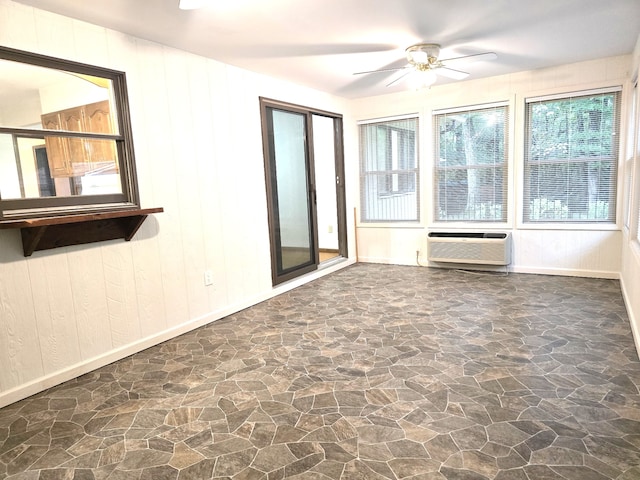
<point>72,157</point>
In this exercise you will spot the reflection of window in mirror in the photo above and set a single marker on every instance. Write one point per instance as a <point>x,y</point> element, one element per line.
<point>65,142</point>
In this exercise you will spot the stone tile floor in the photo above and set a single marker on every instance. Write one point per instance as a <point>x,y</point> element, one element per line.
<point>375,372</point>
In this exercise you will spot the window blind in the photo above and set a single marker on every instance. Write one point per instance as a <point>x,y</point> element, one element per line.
<point>471,148</point>
<point>571,152</point>
<point>389,174</point>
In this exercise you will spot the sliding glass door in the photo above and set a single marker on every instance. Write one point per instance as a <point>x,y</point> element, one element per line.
<point>288,133</point>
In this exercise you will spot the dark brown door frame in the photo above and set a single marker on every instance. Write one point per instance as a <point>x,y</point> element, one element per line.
<point>341,201</point>
<point>278,275</point>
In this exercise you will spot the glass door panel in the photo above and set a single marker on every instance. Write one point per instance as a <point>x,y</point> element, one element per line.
<point>327,179</point>
<point>289,186</point>
<point>289,148</point>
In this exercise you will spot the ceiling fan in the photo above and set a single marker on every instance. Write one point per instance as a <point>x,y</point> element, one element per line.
<point>424,63</point>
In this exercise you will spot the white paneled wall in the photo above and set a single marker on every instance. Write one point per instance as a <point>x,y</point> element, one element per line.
<point>630,275</point>
<point>568,252</point>
<point>197,138</point>
<point>630,280</point>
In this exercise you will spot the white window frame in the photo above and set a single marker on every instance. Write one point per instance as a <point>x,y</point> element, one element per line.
<point>507,207</point>
<point>414,223</point>
<point>629,157</point>
<point>634,207</point>
<point>520,222</point>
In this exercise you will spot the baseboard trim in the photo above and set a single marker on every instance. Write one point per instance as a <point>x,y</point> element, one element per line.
<point>566,272</point>
<point>50,380</point>
<point>633,321</point>
<point>388,261</point>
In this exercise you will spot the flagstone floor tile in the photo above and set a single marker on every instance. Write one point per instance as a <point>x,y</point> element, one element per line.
<point>374,372</point>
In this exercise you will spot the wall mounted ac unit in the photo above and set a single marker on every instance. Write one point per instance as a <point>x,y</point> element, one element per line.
<point>469,247</point>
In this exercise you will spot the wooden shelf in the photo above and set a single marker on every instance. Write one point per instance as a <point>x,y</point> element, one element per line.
<point>62,231</point>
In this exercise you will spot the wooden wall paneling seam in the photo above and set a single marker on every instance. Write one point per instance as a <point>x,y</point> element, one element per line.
<point>147,259</point>
<point>183,112</point>
<point>20,355</point>
<point>170,242</point>
<point>256,229</point>
<point>244,214</point>
<point>143,124</point>
<point>215,225</point>
<point>55,315</point>
<point>89,300</point>
<point>17,25</point>
<point>148,281</point>
<point>54,34</point>
<point>198,77</point>
<point>203,199</point>
<point>153,308</point>
<point>90,43</point>
<point>121,294</point>
<point>233,215</point>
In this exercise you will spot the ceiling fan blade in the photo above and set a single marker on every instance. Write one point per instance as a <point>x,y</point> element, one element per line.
<point>396,80</point>
<point>191,4</point>
<point>382,70</point>
<point>472,58</point>
<point>275,50</point>
<point>451,73</point>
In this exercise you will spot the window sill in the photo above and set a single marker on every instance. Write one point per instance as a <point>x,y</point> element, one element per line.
<point>391,224</point>
<point>62,231</point>
<point>596,226</point>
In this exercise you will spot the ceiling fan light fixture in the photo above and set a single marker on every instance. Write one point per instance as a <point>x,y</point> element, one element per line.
<point>418,57</point>
<point>423,53</point>
<point>423,79</point>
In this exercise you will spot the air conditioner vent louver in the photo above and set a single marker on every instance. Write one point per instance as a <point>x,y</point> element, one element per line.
<point>469,247</point>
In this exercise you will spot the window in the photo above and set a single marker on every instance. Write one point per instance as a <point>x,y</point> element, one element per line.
<point>389,180</point>
<point>570,165</point>
<point>471,164</point>
<point>628,163</point>
<point>65,138</point>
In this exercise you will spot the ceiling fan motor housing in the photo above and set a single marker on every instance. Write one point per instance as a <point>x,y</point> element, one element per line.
<point>423,56</point>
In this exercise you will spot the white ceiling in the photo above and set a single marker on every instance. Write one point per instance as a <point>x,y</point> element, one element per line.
<point>320,43</point>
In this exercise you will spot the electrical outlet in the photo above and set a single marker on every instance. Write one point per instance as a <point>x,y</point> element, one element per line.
<point>330,229</point>
<point>208,278</point>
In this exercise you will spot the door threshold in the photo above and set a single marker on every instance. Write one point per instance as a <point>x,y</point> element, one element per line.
<point>330,262</point>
